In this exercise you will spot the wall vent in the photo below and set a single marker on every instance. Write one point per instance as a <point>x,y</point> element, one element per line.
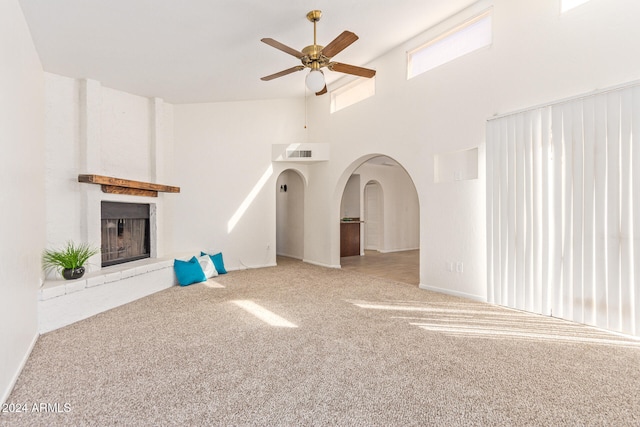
<point>299,154</point>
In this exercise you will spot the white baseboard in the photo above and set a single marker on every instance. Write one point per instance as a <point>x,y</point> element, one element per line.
<point>453,293</point>
<point>250,267</point>
<point>291,256</point>
<point>321,264</point>
<point>14,379</point>
<point>388,251</point>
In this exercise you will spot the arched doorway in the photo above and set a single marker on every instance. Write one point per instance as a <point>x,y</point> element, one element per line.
<point>390,210</point>
<point>290,215</point>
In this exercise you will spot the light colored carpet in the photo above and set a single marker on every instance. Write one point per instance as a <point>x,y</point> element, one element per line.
<point>365,352</point>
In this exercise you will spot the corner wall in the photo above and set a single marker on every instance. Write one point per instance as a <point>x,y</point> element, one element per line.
<point>223,162</point>
<point>21,192</point>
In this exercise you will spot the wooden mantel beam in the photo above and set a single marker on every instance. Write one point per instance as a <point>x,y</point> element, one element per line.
<point>127,186</point>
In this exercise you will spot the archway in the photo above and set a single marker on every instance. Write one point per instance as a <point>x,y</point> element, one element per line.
<point>389,207</point>
<point>290,214</point>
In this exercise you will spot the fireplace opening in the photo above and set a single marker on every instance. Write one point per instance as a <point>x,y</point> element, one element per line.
<point>125,232</point>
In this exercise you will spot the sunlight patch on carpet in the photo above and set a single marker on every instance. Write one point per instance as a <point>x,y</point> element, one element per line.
<point>472,321</point>
<point>213,284</point>
<point>264,314</point>
<point>499,331</point>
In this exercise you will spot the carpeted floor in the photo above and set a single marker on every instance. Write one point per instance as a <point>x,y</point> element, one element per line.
<point>364,352</point>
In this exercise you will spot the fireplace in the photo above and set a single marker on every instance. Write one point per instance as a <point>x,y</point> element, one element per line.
<point>125,232</point>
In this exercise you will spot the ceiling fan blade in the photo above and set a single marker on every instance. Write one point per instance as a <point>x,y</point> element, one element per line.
<point>352,69</point>
<point>323,91</point>
<point>282,73</point>
<point>282,47</point>
<point>339,44</point>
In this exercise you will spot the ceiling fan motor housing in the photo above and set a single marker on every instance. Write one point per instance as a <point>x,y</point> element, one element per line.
<point>313,57</point>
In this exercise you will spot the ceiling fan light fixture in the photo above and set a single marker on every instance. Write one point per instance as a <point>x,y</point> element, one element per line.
<point>315,81</point>
<point>316,57</point>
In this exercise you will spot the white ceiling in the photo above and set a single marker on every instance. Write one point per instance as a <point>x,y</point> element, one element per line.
<point>210,50</point>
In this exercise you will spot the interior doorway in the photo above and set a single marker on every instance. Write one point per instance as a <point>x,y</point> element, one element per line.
<point>373,213</point>
<point>381,193</point>
<point>290,215</point>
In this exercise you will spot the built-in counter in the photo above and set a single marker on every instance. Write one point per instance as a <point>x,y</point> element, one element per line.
<point>350,236</point>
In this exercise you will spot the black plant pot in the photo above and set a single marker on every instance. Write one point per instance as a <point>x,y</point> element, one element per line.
<point>73,273</point>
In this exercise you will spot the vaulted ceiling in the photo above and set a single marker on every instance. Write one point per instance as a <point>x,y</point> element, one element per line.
<point>210,50</point>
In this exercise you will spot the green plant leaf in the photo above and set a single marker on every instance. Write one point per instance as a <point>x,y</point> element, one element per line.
<point>71,256</point>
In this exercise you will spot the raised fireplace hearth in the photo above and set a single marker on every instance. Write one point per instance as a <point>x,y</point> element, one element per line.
<point>125,232</point>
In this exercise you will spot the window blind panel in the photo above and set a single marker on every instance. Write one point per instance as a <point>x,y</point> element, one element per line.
<point>577,170</point>
<point>626,255</point>
<point>557,230</point>
<point>536,218</point>
<point>547,211</point>
<point>520,214</point>
<point>492,235</point>
<point>504,212</point>
<point>499,151</point>
<point>589,256</point>
<point>567,209</point>
<point>527,192</point>
<point>600,214</point>
<point>511,212</point>
<point>613,210</point>
<point>635,196</point>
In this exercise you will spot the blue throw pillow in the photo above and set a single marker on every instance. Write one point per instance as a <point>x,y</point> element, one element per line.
<point>217,262</point>
<point>188,272</point>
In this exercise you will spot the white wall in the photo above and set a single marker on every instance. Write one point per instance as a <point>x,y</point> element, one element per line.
<point>350,203</point>
<point>92,129</point>
<point>222,161</point>
<point>537,56</point>
<point>21,191</point>
<point>290,215</point>
<point>401,217</point>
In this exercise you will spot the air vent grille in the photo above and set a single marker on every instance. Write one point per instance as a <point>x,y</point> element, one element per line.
<point>298,154</point>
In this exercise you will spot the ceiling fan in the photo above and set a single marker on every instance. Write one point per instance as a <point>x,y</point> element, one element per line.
<point>316,57</point>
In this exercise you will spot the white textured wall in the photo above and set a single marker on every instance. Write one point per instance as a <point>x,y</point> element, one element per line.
<point>125,137</point>
<point>21,191</point>
<point>62,151</point>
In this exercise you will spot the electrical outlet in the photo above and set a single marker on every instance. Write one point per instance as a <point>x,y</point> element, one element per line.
<point>459,267</point>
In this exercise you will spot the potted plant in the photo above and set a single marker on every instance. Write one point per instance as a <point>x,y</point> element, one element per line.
<point>70,260</point>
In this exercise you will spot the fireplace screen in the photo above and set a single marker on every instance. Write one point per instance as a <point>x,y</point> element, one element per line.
<point>125,232</point>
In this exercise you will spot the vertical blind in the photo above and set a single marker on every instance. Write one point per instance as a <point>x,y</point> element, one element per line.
<point>563,210</point>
